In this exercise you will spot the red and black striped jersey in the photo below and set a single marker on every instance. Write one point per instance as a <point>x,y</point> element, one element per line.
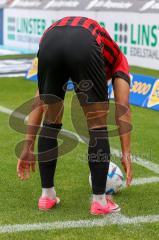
<point>116,62</point>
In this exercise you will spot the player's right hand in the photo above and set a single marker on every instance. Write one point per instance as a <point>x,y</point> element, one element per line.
<point>127,165</point>
<point>26,164</point>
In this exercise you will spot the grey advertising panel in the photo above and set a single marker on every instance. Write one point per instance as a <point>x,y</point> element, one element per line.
<point>143,6</point>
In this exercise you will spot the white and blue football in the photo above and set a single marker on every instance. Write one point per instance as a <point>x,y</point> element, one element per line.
<point>115,179</point>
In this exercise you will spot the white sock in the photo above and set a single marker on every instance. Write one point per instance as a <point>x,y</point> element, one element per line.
<point>100,199</point>
<point>49,192</point>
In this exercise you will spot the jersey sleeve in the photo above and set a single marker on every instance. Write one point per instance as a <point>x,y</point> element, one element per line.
<point>121,69</point>
<point>116,62</point>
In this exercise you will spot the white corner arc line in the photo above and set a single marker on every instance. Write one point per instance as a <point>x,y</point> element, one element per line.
<point>70,133</point>
<point>9,112</point>
<point>142,181</point>
<point>116,219</point>
<point>5,110</point>
<point>142,162</point>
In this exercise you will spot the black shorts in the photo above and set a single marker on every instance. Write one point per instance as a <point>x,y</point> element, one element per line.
<point>72,53</point>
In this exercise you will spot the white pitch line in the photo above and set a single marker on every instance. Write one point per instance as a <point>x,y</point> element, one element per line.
<point>142,181</point>
<point>114,219</point>
<point>5,110</point>
<point>70,133</point>
<point>9,112</point>
<point>142,162</point>
<point>13,75</point>
<point>147,164</point>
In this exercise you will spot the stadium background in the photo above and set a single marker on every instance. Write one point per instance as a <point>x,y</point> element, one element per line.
<point>135,26</point>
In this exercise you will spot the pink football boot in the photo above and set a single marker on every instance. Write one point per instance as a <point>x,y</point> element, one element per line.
<point>46,203</point>
<point>98,209</point>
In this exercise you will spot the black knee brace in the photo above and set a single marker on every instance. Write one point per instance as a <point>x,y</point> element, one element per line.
<point>99,158</point>
<point>48,153</point>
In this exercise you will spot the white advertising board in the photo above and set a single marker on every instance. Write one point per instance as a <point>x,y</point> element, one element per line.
<point>137,34</point>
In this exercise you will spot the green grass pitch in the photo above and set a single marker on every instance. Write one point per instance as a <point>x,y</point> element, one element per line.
<point>18,200</point>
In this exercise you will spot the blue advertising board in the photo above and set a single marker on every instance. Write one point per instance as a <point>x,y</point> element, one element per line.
<point>1,26</point>
<point>144,91</point>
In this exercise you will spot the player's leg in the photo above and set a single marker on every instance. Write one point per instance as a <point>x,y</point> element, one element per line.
<point>48,147</point>
<point>99,149</point>
<point>88,72</point>
<point>52,76</point>
<point>99,156</point>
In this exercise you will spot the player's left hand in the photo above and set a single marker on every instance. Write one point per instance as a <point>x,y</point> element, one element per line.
<point>26,164</point>
<point>127,165</point>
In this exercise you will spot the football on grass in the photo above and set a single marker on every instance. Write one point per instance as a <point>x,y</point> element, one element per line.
<point>115,179</point>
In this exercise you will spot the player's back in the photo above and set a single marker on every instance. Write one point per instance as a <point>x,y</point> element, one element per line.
<point>84,22</point>
<point>112,55</point>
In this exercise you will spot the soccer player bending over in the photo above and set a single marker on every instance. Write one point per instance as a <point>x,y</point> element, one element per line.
<point>80,49</point>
